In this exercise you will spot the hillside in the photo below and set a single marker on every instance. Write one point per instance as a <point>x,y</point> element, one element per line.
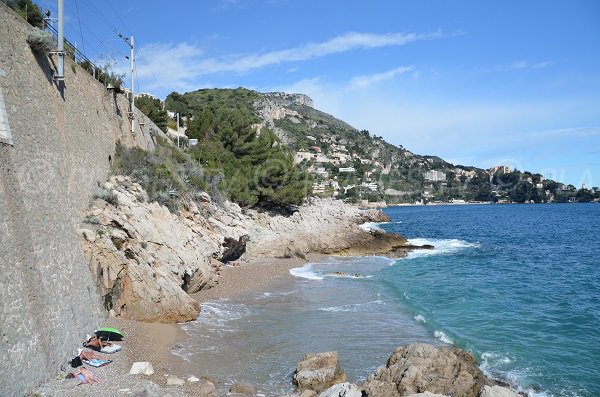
<point>359,165</point>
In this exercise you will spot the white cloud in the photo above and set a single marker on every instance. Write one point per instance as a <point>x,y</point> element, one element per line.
<point>518,65</point>
<point>368,80</point>
<point>541,65</point>
<point>339,44</point>
<point>527,65</point>
<point>178,66</point>
<point>164,65</point>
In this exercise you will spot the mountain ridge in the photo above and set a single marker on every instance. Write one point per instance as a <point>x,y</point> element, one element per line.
<point>359,166</point>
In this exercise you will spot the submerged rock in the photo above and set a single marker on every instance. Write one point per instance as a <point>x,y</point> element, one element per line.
<point>207,389</point>
<point>318,371</point>
<point>245,389</point>
<point>420,367</point>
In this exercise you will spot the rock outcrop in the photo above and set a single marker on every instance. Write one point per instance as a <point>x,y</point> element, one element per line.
<point>324,226</point>
<point>419,368</point>
<point>318,371</point>
<point>146,260</point>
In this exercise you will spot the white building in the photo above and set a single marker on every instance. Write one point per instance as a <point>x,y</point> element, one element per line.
<point>371,186</point>
<point>347,169</point>
<point>299,156</point>
<point>434,176</point>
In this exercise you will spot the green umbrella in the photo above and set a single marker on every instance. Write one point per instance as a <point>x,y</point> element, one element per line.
<point>109,334</point>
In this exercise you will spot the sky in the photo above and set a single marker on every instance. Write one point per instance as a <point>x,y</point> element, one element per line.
<point>478,83</point>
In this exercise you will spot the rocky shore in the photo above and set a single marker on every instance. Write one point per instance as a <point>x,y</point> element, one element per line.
<point>158,267</point>
<point>147,261</point>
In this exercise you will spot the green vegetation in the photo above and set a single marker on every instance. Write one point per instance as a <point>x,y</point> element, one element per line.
<point>169,176</point>
<point>151,108</point>
<point>91,219</point>
<point>231,160</point>
<point>40,41</point>
<point>256,169</point>
<point>192,103</point>
<point>30,11</point>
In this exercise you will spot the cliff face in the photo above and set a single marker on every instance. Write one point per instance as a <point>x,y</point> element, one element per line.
<point>146,260</point>
<point>61,147</point>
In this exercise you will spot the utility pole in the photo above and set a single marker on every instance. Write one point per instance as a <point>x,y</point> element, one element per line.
<point>60,51</point>
<point>132,45</point>
<point>178,129</point>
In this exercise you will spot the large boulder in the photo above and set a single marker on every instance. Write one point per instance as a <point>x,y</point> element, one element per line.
<point>419,367</point>
<point>318,371</point>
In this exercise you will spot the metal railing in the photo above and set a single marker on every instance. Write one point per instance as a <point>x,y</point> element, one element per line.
<point>72,51</point>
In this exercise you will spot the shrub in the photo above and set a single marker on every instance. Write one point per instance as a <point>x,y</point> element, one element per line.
<point>40,41</point>
<point>91,219</point>
<point>107,196</point>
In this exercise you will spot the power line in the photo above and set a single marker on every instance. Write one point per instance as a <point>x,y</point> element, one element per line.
<point>80,31</point>
<point>102,16</point>
<point>119,17</point>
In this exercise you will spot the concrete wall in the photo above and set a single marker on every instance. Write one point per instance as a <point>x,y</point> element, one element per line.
<point>61,143</point>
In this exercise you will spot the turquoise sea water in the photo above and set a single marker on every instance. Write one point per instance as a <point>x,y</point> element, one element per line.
<point>517,285</point>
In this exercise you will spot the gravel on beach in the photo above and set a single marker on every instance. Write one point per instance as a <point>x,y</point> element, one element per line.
<point>153,342</point>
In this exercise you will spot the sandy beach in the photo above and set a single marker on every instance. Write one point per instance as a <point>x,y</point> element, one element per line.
<point>154,342</point>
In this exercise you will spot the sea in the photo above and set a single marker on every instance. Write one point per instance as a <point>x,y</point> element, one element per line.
<point>518,286</point>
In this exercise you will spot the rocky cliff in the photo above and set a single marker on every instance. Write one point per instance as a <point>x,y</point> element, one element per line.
<point>146,260</point>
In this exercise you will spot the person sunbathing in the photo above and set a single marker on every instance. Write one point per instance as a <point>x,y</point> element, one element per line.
<point>85,376</point>
<point>96,343</point>
<point>89,355</point>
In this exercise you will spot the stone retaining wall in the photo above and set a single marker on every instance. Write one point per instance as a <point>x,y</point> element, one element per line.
<point>61,147</point>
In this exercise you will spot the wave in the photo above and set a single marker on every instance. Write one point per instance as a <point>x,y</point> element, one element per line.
<point>496,365</point>
<point>354,307</point>
<point>218,314</point>
<point>441,246</point>
<point>371,226</point>
<point>305,272</point>
<point>442,337</point>
<point>420,318</point>
<point>375,226</point>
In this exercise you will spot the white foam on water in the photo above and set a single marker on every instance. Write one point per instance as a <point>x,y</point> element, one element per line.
<point>371,226</point>
<point>440,246</point>
<point>375,226</point>
<point>306,272</point>
<point>492,360</point>
<point>420,318</point>
<point>442,337</point>
<point>493,365</point>
<point>353,275</point>
<point>218,314</point>
<point>355,307</point>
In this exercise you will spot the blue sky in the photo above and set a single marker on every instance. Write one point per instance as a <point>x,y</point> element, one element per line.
<point>474,82</point>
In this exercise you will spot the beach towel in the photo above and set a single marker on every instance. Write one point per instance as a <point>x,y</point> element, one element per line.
<point>110,349</point>
<point>94,362</point>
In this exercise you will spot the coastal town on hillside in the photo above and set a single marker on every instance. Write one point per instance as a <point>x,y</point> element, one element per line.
<point>362,176</point>
<point>330,166</point>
